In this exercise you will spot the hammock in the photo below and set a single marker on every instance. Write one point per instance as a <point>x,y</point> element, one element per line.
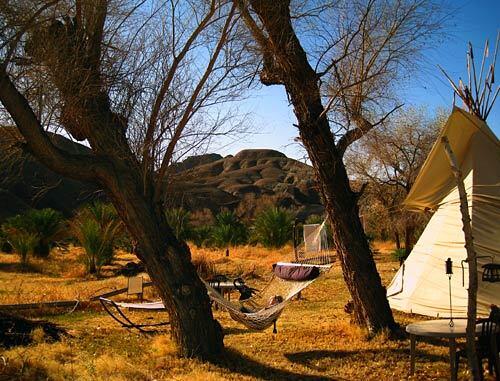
<point>259,312</point>
<point>262,310</point>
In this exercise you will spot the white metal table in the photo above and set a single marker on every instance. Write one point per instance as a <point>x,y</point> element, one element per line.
<point>225,288</point>
<point>440,329</point>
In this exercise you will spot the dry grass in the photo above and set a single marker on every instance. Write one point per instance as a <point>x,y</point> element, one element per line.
<point>315,339</point>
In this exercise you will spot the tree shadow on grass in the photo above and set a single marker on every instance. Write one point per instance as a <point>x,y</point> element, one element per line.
<point>236,331</point>
<point>16,267</point>
<point>309,358</point>
<point>236,362</point>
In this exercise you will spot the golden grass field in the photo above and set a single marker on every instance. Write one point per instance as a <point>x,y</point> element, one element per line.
<point>315,339</point>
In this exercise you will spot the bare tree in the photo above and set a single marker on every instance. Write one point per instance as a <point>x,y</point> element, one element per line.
<point>140,83</point>
<point>338,78</point>
<point>389,159</point>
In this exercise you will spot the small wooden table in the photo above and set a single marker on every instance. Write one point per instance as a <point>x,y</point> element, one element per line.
<point>440,329</point>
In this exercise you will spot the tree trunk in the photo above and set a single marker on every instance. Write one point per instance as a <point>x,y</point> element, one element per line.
<point>285,63</point>
<point>398,241</point>
<point>193,328</point>
<point>472,262</point>
<point>371,307</point>
<point>409,229</point>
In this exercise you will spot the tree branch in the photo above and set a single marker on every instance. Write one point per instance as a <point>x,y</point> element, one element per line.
<point>81,167</point>
<point>148,141</point>
<point>363,127</point>
<point>188,112</point>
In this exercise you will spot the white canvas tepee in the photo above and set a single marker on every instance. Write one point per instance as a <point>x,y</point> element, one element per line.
<point>421,284</point>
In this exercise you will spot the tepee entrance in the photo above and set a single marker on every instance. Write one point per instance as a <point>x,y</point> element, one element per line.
<point>421,284</point>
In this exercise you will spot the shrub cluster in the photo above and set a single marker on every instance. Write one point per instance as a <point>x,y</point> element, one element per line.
<point>34,232</point>
<point>271,228</point>
<point>98,229</point>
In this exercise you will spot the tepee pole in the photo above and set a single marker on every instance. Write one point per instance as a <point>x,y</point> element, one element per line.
<point>479,105</point>
<point>471,260</point>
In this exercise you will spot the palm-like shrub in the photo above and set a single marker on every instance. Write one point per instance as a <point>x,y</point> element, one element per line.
<point>45,224</point>
<point>201,236</point>
<point>179,219</point>
<point>97,242</point>
<point>97,228</point>
<point>228,230</point>
<point>23,243</point>
<point>5,246</point>
<point>273,227</point>
<point>102,213</point>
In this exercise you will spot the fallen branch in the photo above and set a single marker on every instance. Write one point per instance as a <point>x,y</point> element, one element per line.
<point>30,306</point>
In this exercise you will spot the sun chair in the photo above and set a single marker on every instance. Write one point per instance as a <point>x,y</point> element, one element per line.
<point>115,310</point>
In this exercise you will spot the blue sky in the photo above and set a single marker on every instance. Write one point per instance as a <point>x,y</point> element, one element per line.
<point>473,20</point>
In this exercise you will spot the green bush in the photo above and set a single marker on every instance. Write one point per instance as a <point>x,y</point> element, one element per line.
<point>228,230</point>
<point>201,236</point>
<point>5,246</point>
<point>102,213</point>
<point>273,227</point>
<point>399,254</point>
<point>179,220</point>
<point>23,243</point>
<point>45,224</point>
<point>97,228</point>
<point>315,219</point>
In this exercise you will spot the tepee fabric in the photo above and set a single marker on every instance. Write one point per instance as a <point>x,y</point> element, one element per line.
<point>421,284</point>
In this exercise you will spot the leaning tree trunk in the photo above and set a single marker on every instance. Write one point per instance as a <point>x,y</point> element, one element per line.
<point>113,165</point>
<point>285,63</point>
<point>371,307</point>
<point>193,328</point>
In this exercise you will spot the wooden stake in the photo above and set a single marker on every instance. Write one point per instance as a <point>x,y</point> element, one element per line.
<point>471,260</point>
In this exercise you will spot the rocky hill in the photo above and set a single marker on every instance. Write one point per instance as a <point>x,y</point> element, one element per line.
<point>25,183</point>
<point>246,182</point>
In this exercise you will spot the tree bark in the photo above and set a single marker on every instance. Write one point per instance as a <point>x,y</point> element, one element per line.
<point>371,308</point>
<point>472,262</point>
<point>285,63</point>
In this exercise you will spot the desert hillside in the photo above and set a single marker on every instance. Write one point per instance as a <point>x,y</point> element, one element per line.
<point>207,183</point>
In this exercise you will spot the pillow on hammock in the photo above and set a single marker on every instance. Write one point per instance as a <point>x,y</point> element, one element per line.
<point>297,273</point>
